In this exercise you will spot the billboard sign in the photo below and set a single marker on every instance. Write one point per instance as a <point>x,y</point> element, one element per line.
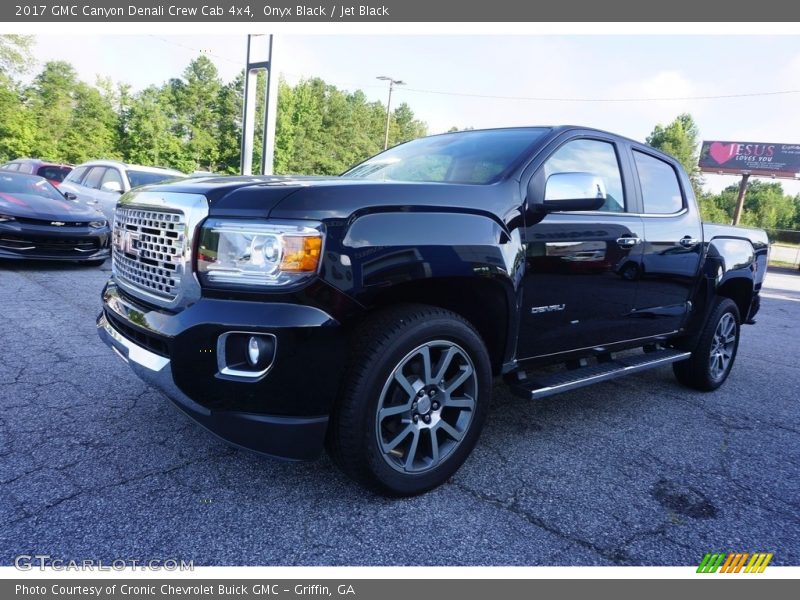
<point>768,160</point>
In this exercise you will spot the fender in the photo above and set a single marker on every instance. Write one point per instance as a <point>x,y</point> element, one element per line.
<point>439,257</point>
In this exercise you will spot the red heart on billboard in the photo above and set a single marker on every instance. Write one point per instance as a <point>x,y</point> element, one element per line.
<point>722,153</point>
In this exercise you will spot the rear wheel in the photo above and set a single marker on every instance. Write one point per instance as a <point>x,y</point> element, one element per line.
<point>715,353</point>
<point>414,402</point>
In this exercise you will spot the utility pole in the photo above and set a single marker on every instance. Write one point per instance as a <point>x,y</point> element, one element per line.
<point>737,214</point>
<point>252,68</point>
<point>392,83</point>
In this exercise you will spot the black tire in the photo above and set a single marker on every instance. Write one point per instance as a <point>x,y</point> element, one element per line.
<point>396,341</point>
<point>95,263</point>
<point>698,372</point>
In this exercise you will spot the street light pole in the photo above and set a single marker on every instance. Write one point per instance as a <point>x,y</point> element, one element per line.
<point>392,83</point>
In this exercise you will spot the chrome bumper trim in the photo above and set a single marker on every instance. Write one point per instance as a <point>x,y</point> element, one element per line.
<point>129,351</point>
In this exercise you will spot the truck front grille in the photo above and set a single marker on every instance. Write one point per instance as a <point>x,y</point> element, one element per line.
<point>148,250</point>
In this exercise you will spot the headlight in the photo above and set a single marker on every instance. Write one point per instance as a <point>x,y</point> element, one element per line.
<point>258,253</point>
<point>98,224</point>
<point>4,218</point>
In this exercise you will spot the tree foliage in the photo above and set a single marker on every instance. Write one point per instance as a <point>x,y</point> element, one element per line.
<point>192,122</point>
<point>680,139</point>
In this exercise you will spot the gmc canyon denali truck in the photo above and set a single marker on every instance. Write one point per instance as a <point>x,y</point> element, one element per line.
<point>369,312</point>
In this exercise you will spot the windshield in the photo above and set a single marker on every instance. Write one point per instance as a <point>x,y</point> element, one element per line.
<point>466,157</point>
<point>28,184</point>
<point>137,178</point>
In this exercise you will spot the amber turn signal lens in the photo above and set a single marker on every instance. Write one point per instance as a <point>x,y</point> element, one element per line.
<point>301,253</point>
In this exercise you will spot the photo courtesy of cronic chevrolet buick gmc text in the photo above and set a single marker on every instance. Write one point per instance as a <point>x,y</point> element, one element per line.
<point>368,312</point>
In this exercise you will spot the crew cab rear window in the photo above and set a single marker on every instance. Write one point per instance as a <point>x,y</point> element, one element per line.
<point>591,156</point>
<point>661,192</point>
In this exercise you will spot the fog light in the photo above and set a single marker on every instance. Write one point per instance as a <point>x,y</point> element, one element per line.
<point>244,355</point>
<point>253,351</point>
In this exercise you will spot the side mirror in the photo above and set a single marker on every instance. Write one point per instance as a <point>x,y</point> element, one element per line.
<point>70,196</point>
<point>574,191</point>
<point>111,186</point>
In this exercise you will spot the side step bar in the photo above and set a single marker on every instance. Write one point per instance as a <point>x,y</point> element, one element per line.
<point>547,385</point>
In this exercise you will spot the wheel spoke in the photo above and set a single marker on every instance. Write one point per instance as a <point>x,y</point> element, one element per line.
<point>425,351</point>
<point>465,402</point>
<point>450,430</point>
<point>466,371</point>
<point>434,446</point>
<point>405,383</point>
<point>389,446</point>
<point>412,450</point>
<point>444,363</point>
<point>394,410</point>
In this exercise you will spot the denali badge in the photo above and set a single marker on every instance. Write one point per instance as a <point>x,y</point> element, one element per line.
<point>535,310</point>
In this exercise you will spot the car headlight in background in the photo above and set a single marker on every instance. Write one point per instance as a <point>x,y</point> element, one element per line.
<point>97,224</point>
<point>258,253</point>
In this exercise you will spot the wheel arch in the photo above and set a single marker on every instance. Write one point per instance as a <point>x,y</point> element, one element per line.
<point>486,303</point>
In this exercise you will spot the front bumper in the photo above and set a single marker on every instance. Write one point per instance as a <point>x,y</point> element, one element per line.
<point>40,242</point>
<point>285,415</point>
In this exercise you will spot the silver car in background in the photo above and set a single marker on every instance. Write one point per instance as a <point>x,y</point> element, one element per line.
<point>101,182</point>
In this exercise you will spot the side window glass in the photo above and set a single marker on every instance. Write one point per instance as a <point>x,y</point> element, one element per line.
<point>94,177</point>
<point>76,174</point>
<point>591,156</point>
<point>26,168</point>
<point>112,175</point>
<point>661,192</point>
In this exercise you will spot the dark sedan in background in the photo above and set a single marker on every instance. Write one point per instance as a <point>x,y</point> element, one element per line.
<point>53,172</point>
<point>37,222</point>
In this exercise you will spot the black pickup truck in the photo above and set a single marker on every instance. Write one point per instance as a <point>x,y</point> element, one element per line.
<point>369,312</point>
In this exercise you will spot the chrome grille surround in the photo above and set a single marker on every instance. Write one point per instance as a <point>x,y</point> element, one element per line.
<point>152,244</point>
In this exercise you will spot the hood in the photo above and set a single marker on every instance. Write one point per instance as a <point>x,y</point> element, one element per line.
<point>31,206</point>
<point>320,198</point>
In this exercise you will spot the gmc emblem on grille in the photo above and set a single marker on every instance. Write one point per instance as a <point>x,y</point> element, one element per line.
<point>130,242</point>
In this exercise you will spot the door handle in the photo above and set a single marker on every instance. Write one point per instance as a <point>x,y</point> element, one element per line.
<point>627,241</point>
<point>688,241</point>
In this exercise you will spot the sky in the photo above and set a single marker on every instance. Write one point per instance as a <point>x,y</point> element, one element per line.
<point>456,80</point>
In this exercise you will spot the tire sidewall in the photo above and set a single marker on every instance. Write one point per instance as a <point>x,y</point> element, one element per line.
<point>369,392</point>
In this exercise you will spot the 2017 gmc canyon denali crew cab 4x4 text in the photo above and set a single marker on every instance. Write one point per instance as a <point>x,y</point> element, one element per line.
<point>368,312</point>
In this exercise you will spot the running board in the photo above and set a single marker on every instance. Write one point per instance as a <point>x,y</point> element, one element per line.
<point>547,385</point>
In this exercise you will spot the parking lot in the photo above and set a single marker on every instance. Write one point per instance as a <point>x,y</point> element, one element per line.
<point>95,465</point>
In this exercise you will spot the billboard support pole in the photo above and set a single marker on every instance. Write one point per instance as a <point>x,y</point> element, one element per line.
<point>740,198</point>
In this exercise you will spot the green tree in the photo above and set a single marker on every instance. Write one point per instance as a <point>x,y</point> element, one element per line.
<point>765,205</point>
<point>148,137</point>
<point>15,54</point>
<point>52,101</point>
<point>680,139</point>
<point>196,97</point>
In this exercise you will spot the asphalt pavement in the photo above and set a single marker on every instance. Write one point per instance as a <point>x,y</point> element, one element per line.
<point>638,471</point>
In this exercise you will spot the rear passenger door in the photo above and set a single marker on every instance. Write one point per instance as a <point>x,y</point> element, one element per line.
<point>672,246</point>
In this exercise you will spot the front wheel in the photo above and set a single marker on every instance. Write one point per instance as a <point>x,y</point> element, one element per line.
<point>414,402</point>
<point>713,357</point>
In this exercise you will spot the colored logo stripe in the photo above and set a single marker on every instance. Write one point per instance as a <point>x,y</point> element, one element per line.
<point>734,561</point>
